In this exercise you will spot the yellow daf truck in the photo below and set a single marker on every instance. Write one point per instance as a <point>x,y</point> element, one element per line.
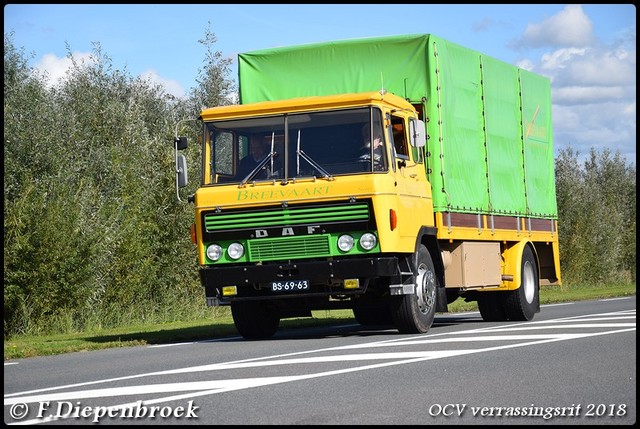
<point>389,176</point>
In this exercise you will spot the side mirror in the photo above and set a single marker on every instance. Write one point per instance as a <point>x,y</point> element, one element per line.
<point>181,171</point>
<point>180,142</point>
<point>417,133</point>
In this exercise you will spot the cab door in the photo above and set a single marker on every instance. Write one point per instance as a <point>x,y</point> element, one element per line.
<point>415,206</point>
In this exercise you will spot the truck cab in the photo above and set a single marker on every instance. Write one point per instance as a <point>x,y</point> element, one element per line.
<point>327,216</point>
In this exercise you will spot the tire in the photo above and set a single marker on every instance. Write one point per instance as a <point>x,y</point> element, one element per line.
<point>414,314</point>
<point>492,306</point>
<point>253,320</point>
<point>523,303</point>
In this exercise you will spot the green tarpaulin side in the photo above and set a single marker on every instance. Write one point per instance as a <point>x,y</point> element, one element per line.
<point>538,144</point>
<point>503,131</point>
<point>457,165</point>
<point>488,122</point>
<point>491,140</point>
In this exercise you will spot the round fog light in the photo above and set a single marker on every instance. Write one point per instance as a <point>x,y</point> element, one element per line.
<point>368,241</point>
<point>235,250</point>
<point>214,252</point>
<point>345,242</point>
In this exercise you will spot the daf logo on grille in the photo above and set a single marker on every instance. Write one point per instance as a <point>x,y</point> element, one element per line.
<point>287,231</point>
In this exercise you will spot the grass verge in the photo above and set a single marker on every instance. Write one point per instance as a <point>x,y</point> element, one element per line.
<point>197,330</point>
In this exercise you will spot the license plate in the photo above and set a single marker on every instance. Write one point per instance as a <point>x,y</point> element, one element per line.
<point>290,286</point>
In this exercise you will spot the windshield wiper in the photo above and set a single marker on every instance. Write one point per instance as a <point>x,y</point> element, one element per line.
<point>268,158</point>
<point>311,162</point>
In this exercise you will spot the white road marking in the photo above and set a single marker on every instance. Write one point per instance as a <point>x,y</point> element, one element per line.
<point>202,388</point>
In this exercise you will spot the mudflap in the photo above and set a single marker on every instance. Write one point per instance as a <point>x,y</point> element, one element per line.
<point>441,300</point>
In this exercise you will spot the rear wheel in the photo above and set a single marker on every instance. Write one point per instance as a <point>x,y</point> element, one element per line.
<point>254,320</point>
<point>414,314</point>
<point>523,303</point>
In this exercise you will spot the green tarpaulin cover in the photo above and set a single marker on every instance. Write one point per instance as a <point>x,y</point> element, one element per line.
<point>490,147</point>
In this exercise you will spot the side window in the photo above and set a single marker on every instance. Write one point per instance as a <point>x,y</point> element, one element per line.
<point>399,137</point>
<point>417,151</point>
<point>222,159</point>
<point>243,146</point>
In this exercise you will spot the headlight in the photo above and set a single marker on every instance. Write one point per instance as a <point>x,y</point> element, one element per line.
<point>368,241</point>
<point>345,243</point>
<point>235,250</point>
<point>214,252</point>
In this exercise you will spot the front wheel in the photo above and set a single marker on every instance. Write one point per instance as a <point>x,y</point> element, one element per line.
<point>414,314</point>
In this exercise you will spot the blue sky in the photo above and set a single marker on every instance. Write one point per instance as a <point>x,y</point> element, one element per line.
<point>588,51</point>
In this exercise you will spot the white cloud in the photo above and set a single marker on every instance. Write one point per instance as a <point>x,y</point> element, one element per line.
<point>598,66</point>
<point>559,59</point>
<point>590,94</point>
<point>608,125</point>
<point>173,87</point>
<point>593,85</point>
<point>569,27</point>
<point>55,69</point>
<point>526,64</point>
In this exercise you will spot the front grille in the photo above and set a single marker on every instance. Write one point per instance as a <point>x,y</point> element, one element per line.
<point>288,216</point>
<point>282,248</point>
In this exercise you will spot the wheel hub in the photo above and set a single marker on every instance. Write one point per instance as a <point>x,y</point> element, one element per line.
<point>425,289</point>
<point>528,282</point>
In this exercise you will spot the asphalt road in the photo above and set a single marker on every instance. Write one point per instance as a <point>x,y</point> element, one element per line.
<point>573,364</point>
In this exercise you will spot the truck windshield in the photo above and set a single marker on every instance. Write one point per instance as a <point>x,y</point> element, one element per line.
<point>303,145</point>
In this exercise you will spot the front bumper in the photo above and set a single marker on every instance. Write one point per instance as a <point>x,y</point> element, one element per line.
<point>321,274</point>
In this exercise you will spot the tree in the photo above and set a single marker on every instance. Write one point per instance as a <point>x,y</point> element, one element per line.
<point>597,217</point>
<point>214,84</point>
